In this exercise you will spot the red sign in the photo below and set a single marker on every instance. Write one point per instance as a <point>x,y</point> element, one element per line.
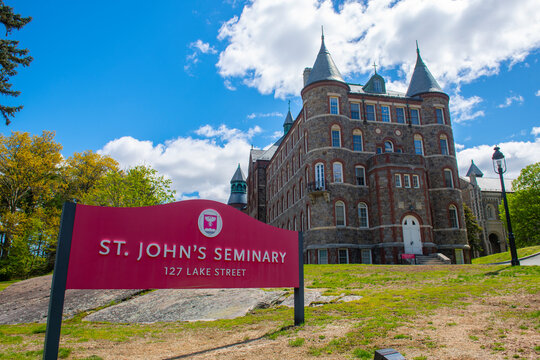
<point>407,256</point>
<point>187,244</point>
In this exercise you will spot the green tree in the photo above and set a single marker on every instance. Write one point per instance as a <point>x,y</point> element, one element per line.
<point>473,231</point>
<point>28,181</point>
<point>138,186</point>
<point>11,57</point>
<point>81,173</point>
<point>524,207</point>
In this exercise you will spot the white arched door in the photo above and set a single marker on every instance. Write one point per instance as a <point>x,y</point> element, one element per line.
<point>411,235</point>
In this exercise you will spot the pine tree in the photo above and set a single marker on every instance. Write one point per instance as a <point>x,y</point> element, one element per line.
<point>11,57</point>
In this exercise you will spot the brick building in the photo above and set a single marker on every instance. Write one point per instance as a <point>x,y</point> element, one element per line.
<point>366,173</point>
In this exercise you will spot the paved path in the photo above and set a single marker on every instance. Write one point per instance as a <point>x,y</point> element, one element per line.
<point>527,261</point>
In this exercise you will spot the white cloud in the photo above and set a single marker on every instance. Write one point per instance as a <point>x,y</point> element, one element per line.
<point>203,47</point>
<point>535,131</point>
<point>462,109</point>
<point>510,100</point>
<point>537,93</point>
<point>198,46</point>
<point>264,115</point>
<point>459,40</point>
<point>204,166</point>
<point>229,85</point>
<point>518,154</point>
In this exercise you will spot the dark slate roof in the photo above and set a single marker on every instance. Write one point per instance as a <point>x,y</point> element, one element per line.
<point>288,119</point>
<point>474,170</point>
<point>422,81</point>
<point>237,198</point>
<point>324,67</point>
<point>238,175</point>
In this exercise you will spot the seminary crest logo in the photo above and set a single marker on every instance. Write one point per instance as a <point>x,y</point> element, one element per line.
<point>210,223</point>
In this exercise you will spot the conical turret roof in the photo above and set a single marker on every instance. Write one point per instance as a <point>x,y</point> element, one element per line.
<point>324,67</point>
<point>238,175</point>
<point>422,81</point>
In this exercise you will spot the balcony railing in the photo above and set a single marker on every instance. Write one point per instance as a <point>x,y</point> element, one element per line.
<point>316,186</point>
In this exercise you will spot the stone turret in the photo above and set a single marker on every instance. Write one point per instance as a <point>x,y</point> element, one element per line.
<point>422,81</point>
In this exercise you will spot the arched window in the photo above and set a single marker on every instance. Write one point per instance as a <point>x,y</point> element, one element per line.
<point>302,222</point>
<point>336,136</point>
<point>388,146</point>
<point>319,176</point>
<point>294,224</point>
<point>340,213</point>
<point>308,218</point>
<point>443,141</point>
<point>452,211</point>
<point>363,215</point>
<point>307,174</point>
<point>418,145</point>
<point>301,187</point>
<point>360,174</point>
<point>337,169</point>
<point>357,140</point>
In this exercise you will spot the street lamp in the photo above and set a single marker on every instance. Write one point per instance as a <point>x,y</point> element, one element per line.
<point>499,165</point>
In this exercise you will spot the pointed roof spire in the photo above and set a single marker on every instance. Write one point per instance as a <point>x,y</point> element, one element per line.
<point>422,81</point>
<point>288,121</point>
<point>324,67</point>
<point>238,196</point>
<point>238,175</point>
<point>474,170</point>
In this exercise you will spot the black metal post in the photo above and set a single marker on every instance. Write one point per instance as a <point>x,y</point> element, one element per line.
<point>299,313</point>
<point>511,240</point>
<point>58,286</point>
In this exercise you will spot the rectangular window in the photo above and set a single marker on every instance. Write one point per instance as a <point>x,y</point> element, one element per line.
<point>355,111</point>
<point>440,116</point>
<point>415,181</point>
<point>444,146</point>
<point>363,216</point>
<point>323,256</point>
<point>370,112</point>
<point>366,256</point>
<point>385,113</point>
<point>448,181</point>
<point>418,147</point>
<point>379,150</point>
<point>334,105</point>
<point>398,180</point>
<point>336,141</point>
<point>415,118</point>
<point>343,256</point>
<point>406,181</point>
<point>360,175</point>
<point>400,115</point>
<point>357,142</point>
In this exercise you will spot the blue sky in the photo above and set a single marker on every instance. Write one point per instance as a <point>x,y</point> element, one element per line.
<point>189,86</point>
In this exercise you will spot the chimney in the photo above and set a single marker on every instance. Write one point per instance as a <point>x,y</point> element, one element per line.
<point>307,71</point>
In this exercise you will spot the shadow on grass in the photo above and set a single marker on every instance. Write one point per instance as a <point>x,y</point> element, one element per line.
<point>497,272</point>
<point>267,335</point>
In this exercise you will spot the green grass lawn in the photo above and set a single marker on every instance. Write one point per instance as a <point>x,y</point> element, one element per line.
<point>393,298</point>
<point>5,284</point>
<point>505,256</point>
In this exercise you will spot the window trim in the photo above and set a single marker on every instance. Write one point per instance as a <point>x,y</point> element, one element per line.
<point>416,181</point>
<point>397,180</point>
<point>347,256</point>
<point>397,116</point>
<point>319,256</point>
<point>363,205</point>
<point>358,132</point>
<point>336,98</point>
<point>340,172</point>
<point>407,181</point>
<point>451,178</point>
<point>359,114</point>
<point>340,204</point>
<point>389,116</point>
<point>440,120</point>
<point>363,173</point>
<point>453,216</point>
<point>368,113</point>
<point>417,111</point>
<point>335,129</point>
<point>418,138</point>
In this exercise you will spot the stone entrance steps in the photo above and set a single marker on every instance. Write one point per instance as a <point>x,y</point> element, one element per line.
<point>432,259</point>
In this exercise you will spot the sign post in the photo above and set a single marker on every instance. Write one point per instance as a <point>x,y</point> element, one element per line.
<point>183,245</point>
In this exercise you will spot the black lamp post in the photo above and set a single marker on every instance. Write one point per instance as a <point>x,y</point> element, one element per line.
<point>499,165</point>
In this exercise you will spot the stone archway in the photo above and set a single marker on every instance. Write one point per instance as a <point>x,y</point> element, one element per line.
<point>494,242</point>
<point>412,240</point>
